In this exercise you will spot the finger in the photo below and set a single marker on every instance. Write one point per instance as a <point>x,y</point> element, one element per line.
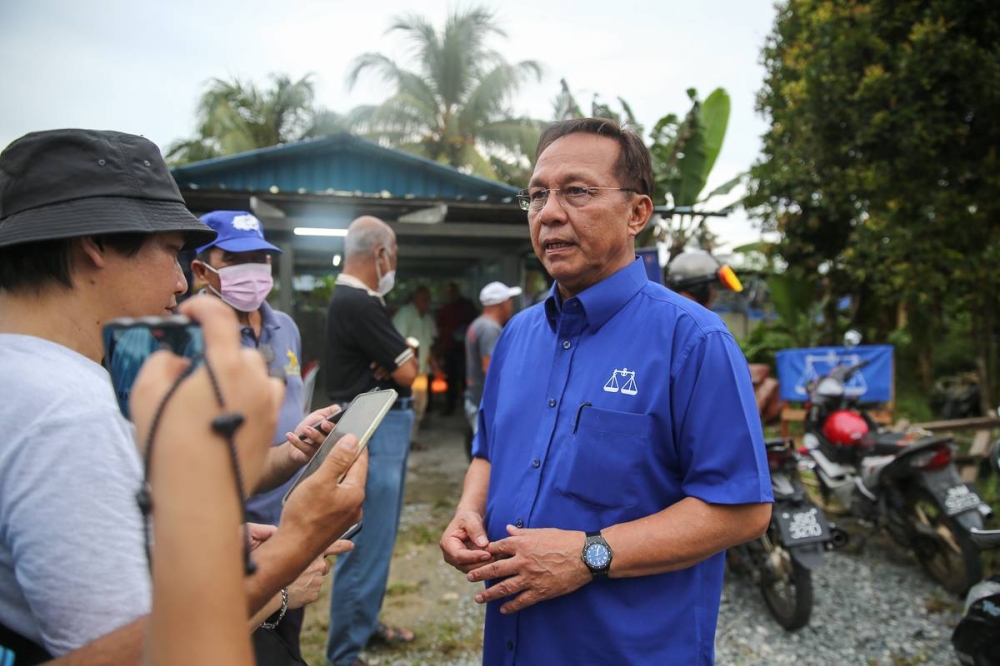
<point>521,601</point>
<point>493,570</point>
<point>476,531</point>
<point>504,588</point>
<point>502,548</point>
<point>339,547</point>
<point>260,531</point>
<point>218,321</point>
<point>340,459</point>
<point>456,553</point>
<point>161,369</point>
<point>358,472</point>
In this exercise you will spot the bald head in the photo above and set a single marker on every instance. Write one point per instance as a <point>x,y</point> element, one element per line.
<point>365,234</point>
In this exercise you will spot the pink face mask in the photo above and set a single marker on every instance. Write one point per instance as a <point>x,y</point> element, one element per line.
<point>244,286</point>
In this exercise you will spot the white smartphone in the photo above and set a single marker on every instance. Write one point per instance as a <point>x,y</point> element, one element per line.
<point>361,418</point>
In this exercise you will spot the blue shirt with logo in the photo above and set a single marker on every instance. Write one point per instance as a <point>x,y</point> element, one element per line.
<point>602,409</point>
<point>280,340</point>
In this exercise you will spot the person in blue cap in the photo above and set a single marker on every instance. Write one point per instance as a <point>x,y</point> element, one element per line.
<point>236,267</point>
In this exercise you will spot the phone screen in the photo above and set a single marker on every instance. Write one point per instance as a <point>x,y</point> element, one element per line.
<point>129,342</point>
<point>360,419</point>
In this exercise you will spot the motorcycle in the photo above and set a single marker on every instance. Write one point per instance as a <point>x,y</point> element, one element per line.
<point>977,636</point>
<point>781,560</point>
<point>905,482</point>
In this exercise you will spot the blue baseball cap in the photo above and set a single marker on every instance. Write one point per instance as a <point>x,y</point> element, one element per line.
<point>239,231</point>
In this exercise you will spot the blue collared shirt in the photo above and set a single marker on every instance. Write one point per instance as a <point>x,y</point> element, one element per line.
<point>603,409</point>
<point>279,332</point>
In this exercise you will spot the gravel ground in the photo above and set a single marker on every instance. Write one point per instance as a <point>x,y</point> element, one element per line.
<point>868,609</point>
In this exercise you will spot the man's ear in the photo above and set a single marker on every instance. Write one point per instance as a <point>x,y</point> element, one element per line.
<point>639,213</point>
<point>198,269</point>
<point>94,250</point>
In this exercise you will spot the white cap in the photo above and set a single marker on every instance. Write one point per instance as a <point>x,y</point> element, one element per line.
<point>497,292</point>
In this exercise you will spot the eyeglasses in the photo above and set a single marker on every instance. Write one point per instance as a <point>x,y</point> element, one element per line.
<point>576,196</point>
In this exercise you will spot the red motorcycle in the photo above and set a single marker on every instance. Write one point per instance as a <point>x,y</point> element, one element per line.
<point>905,482</point>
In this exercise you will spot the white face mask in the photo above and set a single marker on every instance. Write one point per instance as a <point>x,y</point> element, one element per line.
<point>243,286</point>
<point>385,282</point>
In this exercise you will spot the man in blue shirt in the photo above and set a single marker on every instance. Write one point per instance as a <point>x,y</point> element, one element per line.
<point>619,452</point>
<point>236,267</point>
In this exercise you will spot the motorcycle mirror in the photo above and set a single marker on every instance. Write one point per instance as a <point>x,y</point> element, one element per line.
<point>852,338</point>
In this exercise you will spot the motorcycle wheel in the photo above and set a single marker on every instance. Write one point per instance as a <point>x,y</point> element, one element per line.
<point>788,591</point>
<point>949,556</point>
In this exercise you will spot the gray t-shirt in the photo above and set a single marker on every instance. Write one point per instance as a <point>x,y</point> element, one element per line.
<point>480,339</point>
<point>72,566</point>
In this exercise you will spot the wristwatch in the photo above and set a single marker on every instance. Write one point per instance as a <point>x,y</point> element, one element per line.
<point>597,555</point>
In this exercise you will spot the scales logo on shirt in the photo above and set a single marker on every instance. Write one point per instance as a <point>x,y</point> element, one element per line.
<point>622,381</point>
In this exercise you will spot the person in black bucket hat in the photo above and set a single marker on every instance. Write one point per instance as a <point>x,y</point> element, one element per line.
<point>91,225</point>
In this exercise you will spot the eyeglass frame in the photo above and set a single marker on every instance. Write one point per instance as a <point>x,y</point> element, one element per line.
<point>524,196</point>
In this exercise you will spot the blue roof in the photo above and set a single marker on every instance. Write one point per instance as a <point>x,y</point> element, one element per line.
<point>341,164</point>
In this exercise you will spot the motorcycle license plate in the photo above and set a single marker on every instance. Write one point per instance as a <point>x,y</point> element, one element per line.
<point>802,525</point>
<point>958,499</point>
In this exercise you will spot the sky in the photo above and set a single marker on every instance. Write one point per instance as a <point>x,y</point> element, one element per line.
<point>140,67</point>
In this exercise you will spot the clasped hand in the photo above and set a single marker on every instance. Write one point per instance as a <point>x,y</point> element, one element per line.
<point>532,564</point>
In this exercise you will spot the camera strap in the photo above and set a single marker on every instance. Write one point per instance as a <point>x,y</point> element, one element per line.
<point>225,425</point>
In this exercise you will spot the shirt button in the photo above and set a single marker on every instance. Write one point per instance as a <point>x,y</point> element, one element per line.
<point>519,523</point>
<point>510,645</point>
<point>567,344</point>
<point>552,402</point>
<point>536,462</point>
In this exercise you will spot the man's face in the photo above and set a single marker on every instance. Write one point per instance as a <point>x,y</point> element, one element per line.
<point>219,258</point>
<point>422,301</point>
<point>149,282</point>
<point>579,247</point>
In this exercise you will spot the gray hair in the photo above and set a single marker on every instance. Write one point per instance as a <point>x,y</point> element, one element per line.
<point>365,234</point>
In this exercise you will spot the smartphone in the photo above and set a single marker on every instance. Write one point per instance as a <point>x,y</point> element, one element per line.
<point>360,419</point>
<point>128,342</point>
<point>352,531</point>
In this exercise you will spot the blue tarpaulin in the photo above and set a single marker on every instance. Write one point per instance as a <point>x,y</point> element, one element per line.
<point>651,260</point>
<point>873,383</point>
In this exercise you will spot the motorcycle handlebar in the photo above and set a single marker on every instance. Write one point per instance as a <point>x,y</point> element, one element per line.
<point>845,372</point>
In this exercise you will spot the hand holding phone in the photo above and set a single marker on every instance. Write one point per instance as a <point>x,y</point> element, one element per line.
<point>360,419</point>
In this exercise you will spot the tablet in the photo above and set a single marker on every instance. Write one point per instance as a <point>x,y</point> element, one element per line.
<point>361,418</point>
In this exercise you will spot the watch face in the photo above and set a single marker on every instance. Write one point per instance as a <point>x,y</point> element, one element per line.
<point>597,555</point>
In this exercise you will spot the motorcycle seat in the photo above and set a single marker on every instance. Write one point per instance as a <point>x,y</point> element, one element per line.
<point>891,443</point>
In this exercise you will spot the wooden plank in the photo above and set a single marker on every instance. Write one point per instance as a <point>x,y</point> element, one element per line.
<point>978,423</point>
<point>980,449</point>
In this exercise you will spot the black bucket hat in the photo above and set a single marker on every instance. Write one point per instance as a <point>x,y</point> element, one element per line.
<point>72,182</point>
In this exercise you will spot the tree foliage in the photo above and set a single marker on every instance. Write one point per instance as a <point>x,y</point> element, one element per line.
<point>684,152</point>
<point>880,164</point>
<point>455,108</point>
<point>235,116</point>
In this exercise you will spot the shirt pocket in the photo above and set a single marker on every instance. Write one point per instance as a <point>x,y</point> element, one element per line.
<point>606,456</point>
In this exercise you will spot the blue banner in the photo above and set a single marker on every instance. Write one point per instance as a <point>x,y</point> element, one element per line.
<point>873,383</point>
<point>651,260</point>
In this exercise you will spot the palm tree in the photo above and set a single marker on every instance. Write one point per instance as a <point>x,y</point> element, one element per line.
<point>455,109</point>
<point>236,116</point>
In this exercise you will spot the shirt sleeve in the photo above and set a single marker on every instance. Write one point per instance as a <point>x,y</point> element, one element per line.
<point>488,337</point>
<point>716,426</point>
<point>75,530</point>
<point>379,339</point>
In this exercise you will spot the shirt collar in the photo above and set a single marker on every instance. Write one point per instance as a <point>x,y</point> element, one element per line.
<point>351,281</point>
<point>600,301</point>
<point>268,322</point>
